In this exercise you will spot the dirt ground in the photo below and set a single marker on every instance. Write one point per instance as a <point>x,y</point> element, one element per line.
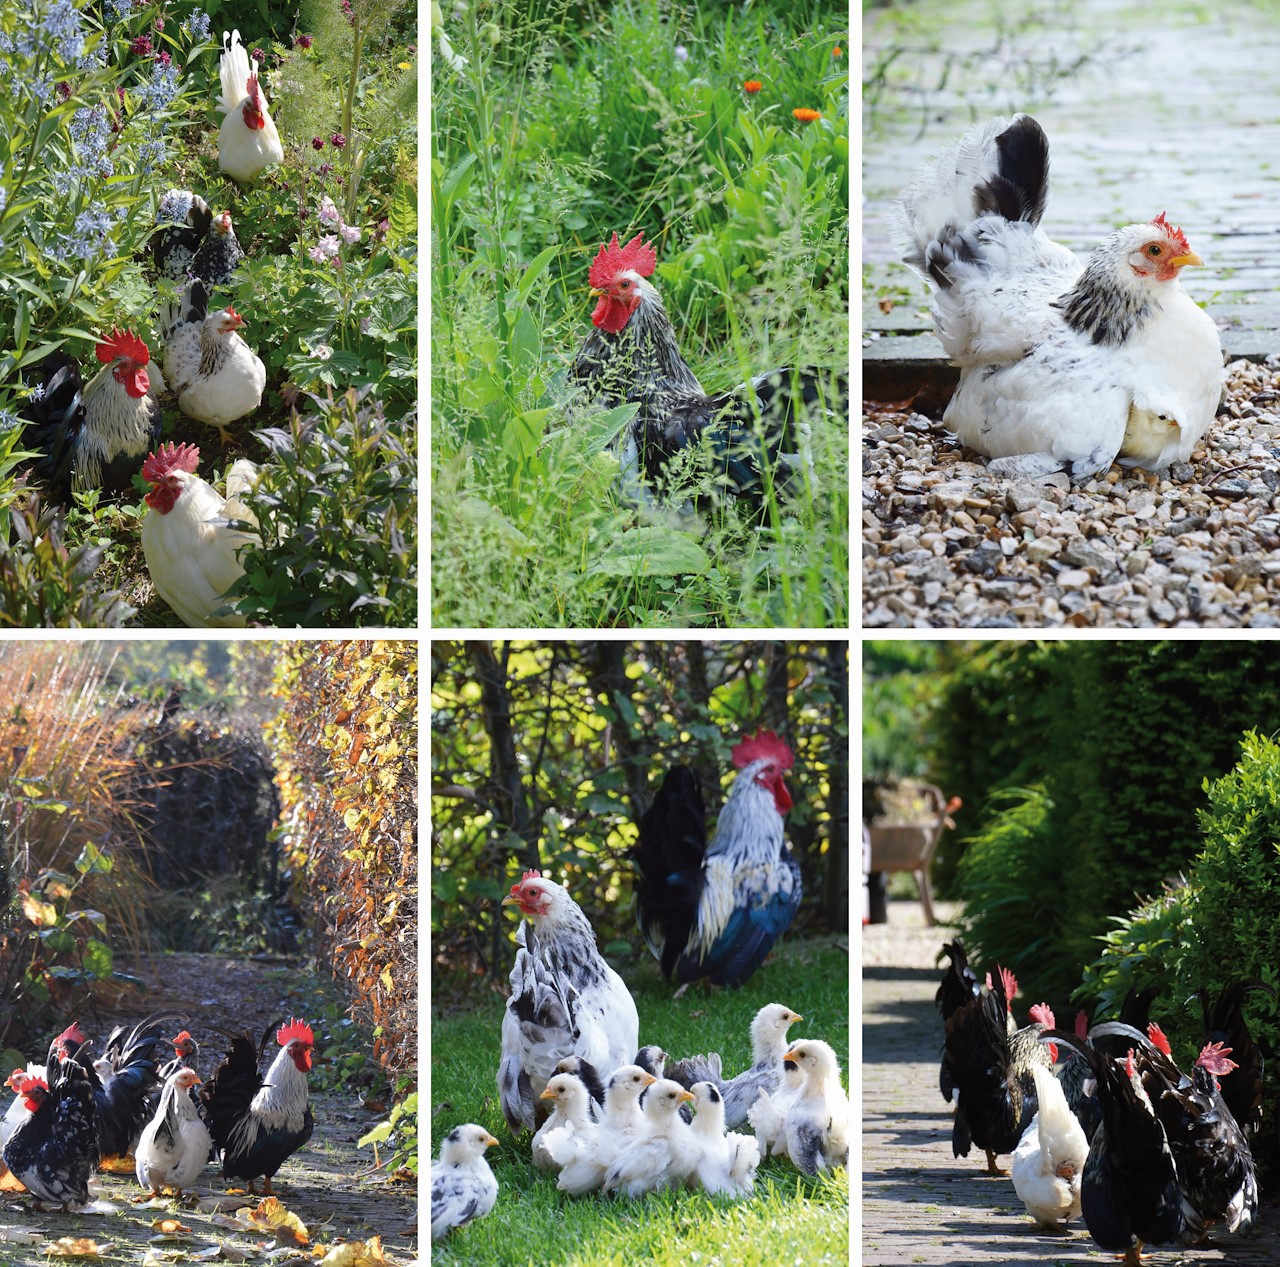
<point>327,1184</point>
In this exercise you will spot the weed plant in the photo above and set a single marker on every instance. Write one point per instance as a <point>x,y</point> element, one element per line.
<point>787,1208</point>
<point>555,126</point>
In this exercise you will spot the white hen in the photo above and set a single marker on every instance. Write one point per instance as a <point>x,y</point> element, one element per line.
<point>665,1155</point>
<point>248,141</point>
<point>175,1144</point>
<point>1048,1163</point>
<point>190,537</point>
<point>218,378</point>
<point>726,1163</point>
<point>818,1119</point>
<point>1061,365</point>
<point>462,1185</point>
<point>565,1001</point>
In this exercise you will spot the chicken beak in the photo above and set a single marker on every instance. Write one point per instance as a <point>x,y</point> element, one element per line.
<point>510,900</point>
<point>595,292</point>
<point>795,1016</point>
<point>648,1078</point>
<point>489,1141</point>
<point>684,1095</point>
<point>791,1055</point>
<point>549,1094</point>
<point>1180,261</point>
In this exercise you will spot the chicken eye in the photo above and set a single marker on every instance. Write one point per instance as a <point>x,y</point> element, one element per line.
<point>623,285</point>
<point>1155,250</point>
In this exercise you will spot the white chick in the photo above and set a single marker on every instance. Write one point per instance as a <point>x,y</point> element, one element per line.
<point>666,1155</point>
<point>1048,1162</point>
<point>175,1145</point>
<point>587,1154</point>
<point>462,1185</point>
<point>768,1115</point>
<point>570,1112</point>
<point>818,1119</point>
<point>726,1163</point>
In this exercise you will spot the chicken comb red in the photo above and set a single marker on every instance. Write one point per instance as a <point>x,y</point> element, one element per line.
<point>183,1036</point>
<point>528,875</point>
<point>1042,1014</point>
<point>123,343</point>
<point>295,1029</point>
<point>613,259</point>
<point>169,458</point>
<point>764,746</point>
<point>1175,234</point>
<point>1010,983</point>
<point>1213,1057</point>
<point>72,1034</point>
<point>1158,1039</point>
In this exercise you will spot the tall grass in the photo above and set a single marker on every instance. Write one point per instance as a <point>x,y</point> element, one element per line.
<point>560,129</point>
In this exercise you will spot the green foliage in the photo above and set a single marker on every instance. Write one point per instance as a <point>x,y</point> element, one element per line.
<point>401,1130</point>
<point>336,516</point>
<point>900,681</point>
<point>562,127</point>
<point>44,584</point>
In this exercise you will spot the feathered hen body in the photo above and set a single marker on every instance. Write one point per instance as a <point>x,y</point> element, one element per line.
<point>565,1001</point>
<point>1062,365</point>
<point>1048,1163</point>
<point>248,141</point>
<point>175,1144</point>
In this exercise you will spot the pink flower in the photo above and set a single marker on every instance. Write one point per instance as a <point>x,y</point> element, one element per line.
<point>163,58</point>
<point>337,140</point>
<point>317,143</point>
<point>303,41</point>
<point>141,47</point>
<point>349,233</point>
<point>159,24</point>
<point>258,55</point>
<point>328,212</point>
<point>325,249</point>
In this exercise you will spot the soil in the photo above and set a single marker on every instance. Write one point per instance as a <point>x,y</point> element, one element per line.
<point>327,1184</point>
<point>919,1203</point>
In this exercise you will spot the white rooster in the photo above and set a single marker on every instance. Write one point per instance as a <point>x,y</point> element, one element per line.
<point>248,141</point>
<point>192,536</point>
<point>216,375</point>
<point>1048,1163</point>
<point>565,1001</point>
<point>1062,365</point>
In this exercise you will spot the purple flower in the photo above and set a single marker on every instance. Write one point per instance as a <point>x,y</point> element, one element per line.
<point>317,143</point>
<point>258,55</point>
<point>337,140</point>
<point>197,25</point>
<point>141,47</point>
<point>349,233</point>
<point>303,41</point>
<point>325,168</point>
<point>325,249</point>
<point>328,212</point>
<point>159,24</point>
<point>163,58</point>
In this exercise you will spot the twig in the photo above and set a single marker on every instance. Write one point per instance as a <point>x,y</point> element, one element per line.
<point>1228,470</point>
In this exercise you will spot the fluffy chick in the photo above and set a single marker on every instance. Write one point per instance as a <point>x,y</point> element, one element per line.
<point>462,1185</point>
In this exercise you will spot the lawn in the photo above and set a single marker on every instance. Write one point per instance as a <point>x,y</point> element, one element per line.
<point>115,105</point>
<point>556,125</point>
<point>789,1218</point>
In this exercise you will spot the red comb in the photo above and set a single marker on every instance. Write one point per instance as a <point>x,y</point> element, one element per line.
<point>528,875</point>
<point>295,1029</point>
<point>1156,1034</point>
<point>765,746</point>
<point>1128,1063</point>
<point>72,1034</point>
<point>1082,1025</point>
<point>1042,1014</point>
<point>254,90</point>
<point>123,343</point>
<point>169,458</point>
<point>1010,984</point>
<point>1175,234</point>
<point>1214,1058</point>
<point>183,1037</point>
<point>612,259</point>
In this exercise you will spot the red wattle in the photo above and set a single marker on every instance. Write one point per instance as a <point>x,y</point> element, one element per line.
<point>781,797</point>
<point>610,315</point>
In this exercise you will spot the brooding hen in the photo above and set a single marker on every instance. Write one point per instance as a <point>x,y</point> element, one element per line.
<point>1048,1163</point>
<point>715,908</point>
<point>768,1046</point>
<point>248,141</point>
<point>565,1001</point>
<point>94,435</point>
<point>217,377</point>
<point>192,536</point>
<point>1061,365</point>
<point>756,436</point>
<point>257,1122</point>
<point>462,1185</point>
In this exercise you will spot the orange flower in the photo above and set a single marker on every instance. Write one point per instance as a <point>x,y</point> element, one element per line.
<point>837,51</point>
<point>752,85</point>
<point>805,115</point>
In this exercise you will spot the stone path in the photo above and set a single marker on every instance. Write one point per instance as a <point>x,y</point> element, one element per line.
<point>919,1204</point>
<point>1173,108</point>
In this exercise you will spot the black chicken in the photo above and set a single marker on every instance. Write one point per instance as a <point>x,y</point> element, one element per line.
<point>1130,1194</point>
<point>54,1148</point>
<point>94,435</point>
<point>193,242</point>
<point>989,1069</point>
<point>1224,1023</point>
<point>959,986</point>
<point>1076,1078</point>
<point>756,435</point>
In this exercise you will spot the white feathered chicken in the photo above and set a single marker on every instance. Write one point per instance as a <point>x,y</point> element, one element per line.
<point>462,1185</point>
<point>565,1001</point>
<point>571,1111</point>
<point>1061,365</point>
<point>192,535</point>
<point>585,1155</point>
<point>1048,1163</point>
<point>818,1119</point>
<point>726,1162</point>
<point>175,1144</point>
<point>216,375</point>
<point>666,1153</point>
<point>248,141</point>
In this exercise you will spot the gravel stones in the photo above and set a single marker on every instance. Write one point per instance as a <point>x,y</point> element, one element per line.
<point>947,544</point>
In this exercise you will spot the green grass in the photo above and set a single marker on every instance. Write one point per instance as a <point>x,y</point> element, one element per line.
<point>789,1218</point>
<point>563,128</point>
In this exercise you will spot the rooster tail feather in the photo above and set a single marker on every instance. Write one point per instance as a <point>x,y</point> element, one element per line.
<point>233,73</point>
<point>1019,188</point>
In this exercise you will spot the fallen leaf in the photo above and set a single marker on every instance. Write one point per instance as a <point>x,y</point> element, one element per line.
<point>886,305</point>
<point>118,1166</point>
<point>271,1215</point>
<point>75,1247</point>
<point>171,1227</point>
<point>20,1236</point>
<point>355,1254</point>
<point>160,1258</point>
<point>9,1182</point>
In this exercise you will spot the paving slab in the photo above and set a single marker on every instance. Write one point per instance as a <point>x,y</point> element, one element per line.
<point>1148,108</point>
<point>919,1203</point>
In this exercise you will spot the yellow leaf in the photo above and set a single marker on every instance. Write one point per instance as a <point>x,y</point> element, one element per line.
<point>387,983</point>
<point>272,1216</point>
<point>38,912</point>
<point>171,1227</point>
<point>74,1247</point>
<point>355,1254</point>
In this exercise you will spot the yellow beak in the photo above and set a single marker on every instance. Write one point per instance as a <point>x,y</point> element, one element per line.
<point>648,1078</point>
<point>791,1055</point>
<point>595,292</point>
<point>489,1141</point>
<point>549,1094</point>
<point>684,1095</point>
<point>509,900</point>
<point>1179,261</point>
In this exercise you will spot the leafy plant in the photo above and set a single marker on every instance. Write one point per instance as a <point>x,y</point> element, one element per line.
<point>401,1129</point>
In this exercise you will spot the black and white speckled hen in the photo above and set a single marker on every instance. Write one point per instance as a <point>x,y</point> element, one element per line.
<point>756,435</point>
<point>1062,365</point>
<point>258,1122</point>
<point>565,1001</point>
<point>94,435</point>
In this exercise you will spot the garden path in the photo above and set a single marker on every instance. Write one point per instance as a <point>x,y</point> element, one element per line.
<point>319,1183</point>
<point>1174,109</point>
<point>920,1204</point>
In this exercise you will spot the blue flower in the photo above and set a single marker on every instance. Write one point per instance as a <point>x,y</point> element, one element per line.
<point>174,207</point>
<point>150,155</point>
<point>91,235</point>
<point>91,131</point>
<point>4,199</point>
<point>120,8</point>
<point>197,25</point>
<point>9,421</point>
<point>163,87</point>
<point>62,24</point>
